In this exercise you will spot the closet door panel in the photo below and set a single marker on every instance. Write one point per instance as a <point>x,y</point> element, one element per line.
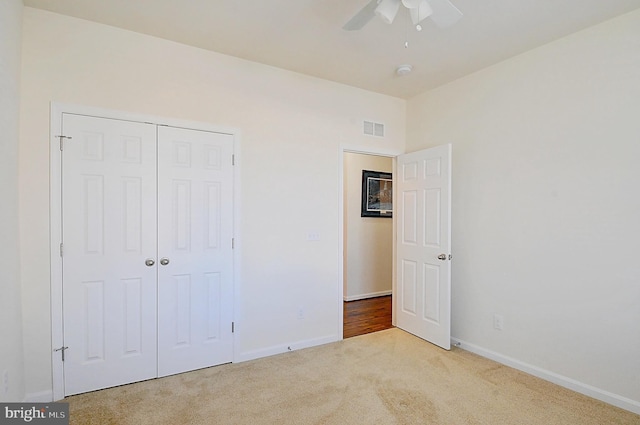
<point>195,217</point>
<point>109,231</point>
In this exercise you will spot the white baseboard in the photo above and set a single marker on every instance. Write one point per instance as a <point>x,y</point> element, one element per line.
<point>563,381</point>
<point>47,396</point>
<point>39,397</point>
<point>369,295</point>
<point>279,349</point>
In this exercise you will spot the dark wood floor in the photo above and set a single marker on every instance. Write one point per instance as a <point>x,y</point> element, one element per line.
<point>364,316</point>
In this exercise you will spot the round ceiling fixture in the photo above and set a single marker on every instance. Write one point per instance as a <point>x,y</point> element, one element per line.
<point>404,70</point>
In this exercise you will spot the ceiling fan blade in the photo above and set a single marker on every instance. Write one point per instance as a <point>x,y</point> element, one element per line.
<point>362,17</point>
<point>445,13</point>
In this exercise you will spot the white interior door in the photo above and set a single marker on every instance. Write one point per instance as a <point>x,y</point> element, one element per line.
<point>109,231</point>
<point>147,269</point>
<point>195,292</point>
<point>423,263</point>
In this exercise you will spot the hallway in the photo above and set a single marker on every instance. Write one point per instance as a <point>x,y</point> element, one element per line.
<point>365,316</point>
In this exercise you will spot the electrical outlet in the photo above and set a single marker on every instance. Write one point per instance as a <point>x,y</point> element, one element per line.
<point>313,236</point>
<point>498,322</point>
<point>300,313</point>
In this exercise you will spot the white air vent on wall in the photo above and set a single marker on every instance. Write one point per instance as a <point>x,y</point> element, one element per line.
<point>373,129</point>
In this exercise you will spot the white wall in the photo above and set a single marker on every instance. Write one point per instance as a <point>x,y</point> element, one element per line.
<point>10,311</point>
<point>368,240</point>
<point>546,206</point>
<point>292,129</point>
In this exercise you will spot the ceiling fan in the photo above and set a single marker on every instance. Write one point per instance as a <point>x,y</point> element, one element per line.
<point>442,12</point>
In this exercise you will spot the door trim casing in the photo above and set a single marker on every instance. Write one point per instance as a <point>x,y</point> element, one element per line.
<point>57,109</point>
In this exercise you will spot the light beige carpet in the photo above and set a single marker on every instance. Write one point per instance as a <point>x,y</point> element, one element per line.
<point>388,377</point>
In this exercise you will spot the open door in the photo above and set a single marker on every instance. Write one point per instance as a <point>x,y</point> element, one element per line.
<point>423,262</point>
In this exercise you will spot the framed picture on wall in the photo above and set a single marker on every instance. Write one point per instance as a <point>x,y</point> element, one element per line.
<point>376,194</point>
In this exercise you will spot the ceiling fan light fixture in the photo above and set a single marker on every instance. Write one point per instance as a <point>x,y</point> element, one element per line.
<point>411,4</point>
<point>420,13</point>
<point>387,10</point>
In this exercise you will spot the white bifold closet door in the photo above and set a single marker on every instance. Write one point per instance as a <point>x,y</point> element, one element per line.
<point>147,216</point>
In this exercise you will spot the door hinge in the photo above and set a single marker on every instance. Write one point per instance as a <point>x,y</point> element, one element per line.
<point>233,327</point>
<point>61,137</point>
<point>61,249</point>
<point>233,243</point>
<point>233,159</point>
<point>61,349</point>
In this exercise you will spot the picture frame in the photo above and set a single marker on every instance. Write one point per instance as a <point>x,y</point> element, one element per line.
<point>377,194</point>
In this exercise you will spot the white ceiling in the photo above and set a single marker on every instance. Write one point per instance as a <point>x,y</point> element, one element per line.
<point>306,36</point>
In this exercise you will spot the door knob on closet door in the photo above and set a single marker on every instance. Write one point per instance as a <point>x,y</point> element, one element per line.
<point>149,262</point>
<point>440,257</point>
<point>164,261</point>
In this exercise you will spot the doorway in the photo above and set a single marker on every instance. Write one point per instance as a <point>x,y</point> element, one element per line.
<point>367,315</point>
<point>420,245</point>
<point>367,252</point>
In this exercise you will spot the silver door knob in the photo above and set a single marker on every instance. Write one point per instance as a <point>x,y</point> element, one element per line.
<point>149,262</point>
<point>164,261</point>
<point>440,257</point>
